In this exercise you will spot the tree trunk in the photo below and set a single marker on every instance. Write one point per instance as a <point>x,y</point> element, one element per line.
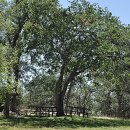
<point>119,107</point>
<point>78,101</point>
<point>14,99</point>
<point>60,104</point>
<point>119,98</point>
<point>61,88</point>
<point>7,105</point>
<point>68,94</point>
<point>14,102</point>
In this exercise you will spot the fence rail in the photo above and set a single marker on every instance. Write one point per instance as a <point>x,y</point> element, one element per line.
<point>51,111</point>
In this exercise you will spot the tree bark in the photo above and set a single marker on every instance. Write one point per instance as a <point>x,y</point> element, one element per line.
<point>68,94</point>
<point>14,100</point>
<point>119,98</point>
<point>60,105</point>
<point>7,105</point>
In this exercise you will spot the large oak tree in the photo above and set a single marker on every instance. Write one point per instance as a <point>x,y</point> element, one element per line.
<point>75,40</point>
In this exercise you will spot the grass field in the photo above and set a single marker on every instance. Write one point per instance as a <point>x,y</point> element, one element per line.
<point>63,123</point>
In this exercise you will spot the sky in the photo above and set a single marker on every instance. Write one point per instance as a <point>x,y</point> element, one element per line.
<point>119,8</point>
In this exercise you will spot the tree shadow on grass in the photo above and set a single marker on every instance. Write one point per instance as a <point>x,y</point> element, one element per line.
<point>74,122</point>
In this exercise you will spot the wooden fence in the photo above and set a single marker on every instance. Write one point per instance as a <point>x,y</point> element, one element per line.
<point>51,111</point>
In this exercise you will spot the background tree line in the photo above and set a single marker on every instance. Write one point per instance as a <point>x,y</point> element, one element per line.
<point>50,55</point>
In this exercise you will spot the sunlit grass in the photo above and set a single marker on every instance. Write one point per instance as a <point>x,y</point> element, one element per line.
<point>63,123</point>
<point>44,128</point>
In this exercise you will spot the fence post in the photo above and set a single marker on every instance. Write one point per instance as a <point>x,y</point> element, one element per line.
<point>83,111</point>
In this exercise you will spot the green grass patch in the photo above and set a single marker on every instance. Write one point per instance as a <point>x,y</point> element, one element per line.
<point>63,123</point>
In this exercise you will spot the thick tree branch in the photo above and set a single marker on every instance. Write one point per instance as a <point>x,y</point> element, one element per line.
<point>60,80</point>
<point>18,31</point>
